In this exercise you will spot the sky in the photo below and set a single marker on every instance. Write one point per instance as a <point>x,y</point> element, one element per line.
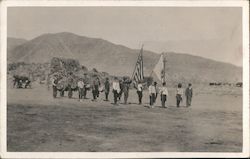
<point>211,32</point>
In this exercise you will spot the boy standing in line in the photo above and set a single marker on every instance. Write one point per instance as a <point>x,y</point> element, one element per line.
<point>189,95</point>
<point>107,88</point>
<point>164,94</point>
<point>95,88</point>
<point>139,91</point>
<point>116,89</point>
<point>179,93</point>
<point>152,94</point>
<point>125,86</point>
<point>54,83</point>
<point>80,85</point>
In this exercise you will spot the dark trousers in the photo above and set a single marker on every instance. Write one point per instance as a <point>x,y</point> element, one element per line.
<point>178,99</point>
<point>125,97</point>
<point>80,91</point>
<point>163,100</point>
<point>95,95</point>
<point>152,98</point>
<point>70,92</point>
<point>116,94</point>
<point>107,95</point>
<point>188,101</point>
<point>85,92</point>
<point>120,95</point>
<point>139,96</point>
<point>155,97</point>
<point>61,93</point>
<point>54,91</point>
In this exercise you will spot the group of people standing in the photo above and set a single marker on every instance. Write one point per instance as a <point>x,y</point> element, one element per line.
<point>121,87</point>
<point>163,91</point>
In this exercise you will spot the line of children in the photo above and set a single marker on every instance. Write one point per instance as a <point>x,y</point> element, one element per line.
<point>164,94</point>
<point>122,87</point>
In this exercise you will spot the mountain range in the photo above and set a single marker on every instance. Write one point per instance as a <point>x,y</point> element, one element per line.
<point>118,59</point>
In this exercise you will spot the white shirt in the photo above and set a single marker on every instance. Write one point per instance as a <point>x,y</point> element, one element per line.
<point>139,87</point>
<point>152,89</point>
<point>179,91</point>
<point>80,84</point>
<point>164,91</point>
<point>116,86</point>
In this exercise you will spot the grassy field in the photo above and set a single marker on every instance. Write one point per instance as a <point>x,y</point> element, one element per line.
<point>36,122</point>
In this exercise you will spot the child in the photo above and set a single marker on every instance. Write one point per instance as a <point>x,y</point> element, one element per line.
<point>116,89</point>
<point>139,91</point>
<point>152,94</point>
<point>157,91</point>
<point>106,88</point>
<point>179,93</point>
<point>164,94</point>
<point>80,85</point>
<point>95,88</point>
<point>189,95</point>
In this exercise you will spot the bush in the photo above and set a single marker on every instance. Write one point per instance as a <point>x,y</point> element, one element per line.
<point>95,70</point>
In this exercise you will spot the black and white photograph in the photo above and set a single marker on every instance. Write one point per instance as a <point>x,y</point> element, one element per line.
<point>125,79</point>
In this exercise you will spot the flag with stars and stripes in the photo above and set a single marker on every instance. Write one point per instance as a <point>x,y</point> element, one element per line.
<point>138,71</point>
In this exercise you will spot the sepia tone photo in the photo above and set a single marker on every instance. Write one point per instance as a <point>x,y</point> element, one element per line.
<point>124,79</point>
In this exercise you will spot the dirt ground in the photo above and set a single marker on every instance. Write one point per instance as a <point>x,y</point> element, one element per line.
<point>38,123</point>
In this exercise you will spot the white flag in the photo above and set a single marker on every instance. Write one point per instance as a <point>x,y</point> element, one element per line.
<point>159,69</point>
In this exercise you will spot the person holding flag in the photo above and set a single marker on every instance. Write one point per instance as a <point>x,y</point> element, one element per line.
<point>138,76</point>
<point>139,91</point>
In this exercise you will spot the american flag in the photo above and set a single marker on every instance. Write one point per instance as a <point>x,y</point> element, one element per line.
<point>138,71</point>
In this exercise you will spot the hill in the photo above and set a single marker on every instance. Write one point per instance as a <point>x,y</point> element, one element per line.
<point>120,60</point>
<point>12,43</point>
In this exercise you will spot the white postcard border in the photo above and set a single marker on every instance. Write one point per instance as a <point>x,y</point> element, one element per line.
<point>3,62</point>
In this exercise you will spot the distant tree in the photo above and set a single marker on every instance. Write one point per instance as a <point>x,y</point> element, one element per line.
<point>84,68</point>
<point>105,74</point>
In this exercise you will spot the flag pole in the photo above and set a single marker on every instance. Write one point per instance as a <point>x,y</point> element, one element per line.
<point>142,60</point>
<point>164,66</point>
